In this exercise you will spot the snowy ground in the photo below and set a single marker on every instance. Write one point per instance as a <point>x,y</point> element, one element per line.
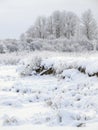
<point>48,102</point>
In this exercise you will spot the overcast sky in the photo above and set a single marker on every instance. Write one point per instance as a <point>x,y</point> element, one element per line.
<point>16,16</point>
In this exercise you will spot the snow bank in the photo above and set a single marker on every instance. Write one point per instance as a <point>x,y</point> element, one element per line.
<point>58,65</point>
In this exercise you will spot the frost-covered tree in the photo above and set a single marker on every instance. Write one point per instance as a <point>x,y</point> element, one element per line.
<point>40,27</point>
<point>57,23</point>
<point>90,29</point>
<point>30,33</point>
<point>9,45</point>
<point>71,25</point>
<point>49,27</point>
<point>62,31</point>
<point>63,24</point>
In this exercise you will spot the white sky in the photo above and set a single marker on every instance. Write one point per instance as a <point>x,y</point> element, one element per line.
<point>16,16</point>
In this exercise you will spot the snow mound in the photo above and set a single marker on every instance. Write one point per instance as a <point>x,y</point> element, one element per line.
<point>58,65</point>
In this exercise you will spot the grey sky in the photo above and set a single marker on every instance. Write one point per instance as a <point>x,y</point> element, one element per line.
<point>16,16</point>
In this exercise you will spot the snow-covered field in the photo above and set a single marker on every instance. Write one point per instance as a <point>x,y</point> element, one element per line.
<point>66,98</point>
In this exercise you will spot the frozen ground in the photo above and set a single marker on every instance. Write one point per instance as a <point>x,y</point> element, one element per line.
<point>65,101</point>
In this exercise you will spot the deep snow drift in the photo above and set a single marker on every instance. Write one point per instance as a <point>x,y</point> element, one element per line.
<point>33,98</point>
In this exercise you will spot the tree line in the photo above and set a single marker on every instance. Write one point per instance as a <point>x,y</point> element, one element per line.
<point>61,31</point>
<point>63,25</point>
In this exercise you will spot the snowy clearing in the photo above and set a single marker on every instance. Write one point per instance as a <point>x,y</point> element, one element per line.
<point>67,98</point>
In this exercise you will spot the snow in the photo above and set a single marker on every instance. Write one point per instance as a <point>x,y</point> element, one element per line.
<point>66,100</point>
<point>59,62</point>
